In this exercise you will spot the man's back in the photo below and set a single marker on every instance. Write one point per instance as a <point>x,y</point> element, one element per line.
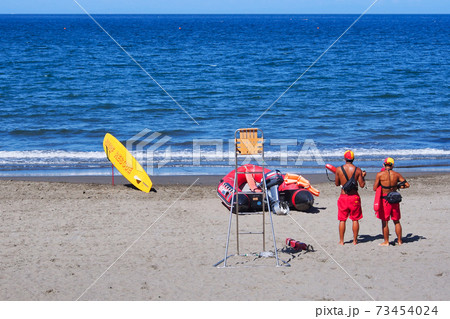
<point>349,170</point>
<point>388,180</point>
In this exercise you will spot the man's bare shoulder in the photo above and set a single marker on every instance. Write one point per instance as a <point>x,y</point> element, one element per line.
<point>397,174</point>
<point>379,174</point>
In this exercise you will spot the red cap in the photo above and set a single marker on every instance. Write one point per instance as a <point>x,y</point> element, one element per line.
<point>348,155</point>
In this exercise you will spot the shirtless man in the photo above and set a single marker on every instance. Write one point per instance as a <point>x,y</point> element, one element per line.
<point>349,204</point>
<point>389,181</point>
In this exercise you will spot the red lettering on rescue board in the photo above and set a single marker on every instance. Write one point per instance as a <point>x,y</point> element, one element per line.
<point>109,146</point>
<point>123,163</point>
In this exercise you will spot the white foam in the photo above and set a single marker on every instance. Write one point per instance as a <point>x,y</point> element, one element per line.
<point>44,157</point>
<point>378,152</point>
<point>186,155</point>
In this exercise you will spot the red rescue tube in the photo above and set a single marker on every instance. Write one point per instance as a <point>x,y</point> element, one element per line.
<point>377,201</point>
<point>331,168</point>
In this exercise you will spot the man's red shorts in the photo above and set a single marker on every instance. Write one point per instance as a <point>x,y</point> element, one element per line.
<point>388,211</point>
<point>349,205</point>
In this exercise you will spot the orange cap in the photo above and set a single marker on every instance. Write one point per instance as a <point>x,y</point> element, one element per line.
<point>348,155</point>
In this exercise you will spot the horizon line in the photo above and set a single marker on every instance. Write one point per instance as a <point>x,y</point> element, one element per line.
<point>129,13</point>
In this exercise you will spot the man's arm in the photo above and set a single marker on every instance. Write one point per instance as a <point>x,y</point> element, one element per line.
<point>337,180</point>
<point>361,180</point>
<point>377,182</point>
<point>401,180</point>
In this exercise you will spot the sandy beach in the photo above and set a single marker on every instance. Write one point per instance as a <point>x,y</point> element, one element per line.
<point>84,239</point>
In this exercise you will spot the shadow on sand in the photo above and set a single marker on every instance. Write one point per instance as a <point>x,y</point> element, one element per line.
<point>134,187</point>
<point>409,238</point>
<point>315,210</point>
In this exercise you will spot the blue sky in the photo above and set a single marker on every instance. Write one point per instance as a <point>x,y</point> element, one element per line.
<point>225,6</point>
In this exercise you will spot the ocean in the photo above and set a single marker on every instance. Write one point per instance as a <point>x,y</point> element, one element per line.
<point>174,88</point>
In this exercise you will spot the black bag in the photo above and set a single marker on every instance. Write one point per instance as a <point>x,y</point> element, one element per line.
<point>393,197</point>
<point>351,184</point>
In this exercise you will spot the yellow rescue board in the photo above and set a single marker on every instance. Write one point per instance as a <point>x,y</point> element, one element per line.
<point>126,164</point>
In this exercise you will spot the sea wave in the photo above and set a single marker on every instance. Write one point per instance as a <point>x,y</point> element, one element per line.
<point>48,157</point>
<point>409,152</point>
<point>61,156</point>
<point>59,162</point>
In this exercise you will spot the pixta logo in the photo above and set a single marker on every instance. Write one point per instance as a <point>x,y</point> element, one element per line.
<point>144,146</point>
<point>153,151</point>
